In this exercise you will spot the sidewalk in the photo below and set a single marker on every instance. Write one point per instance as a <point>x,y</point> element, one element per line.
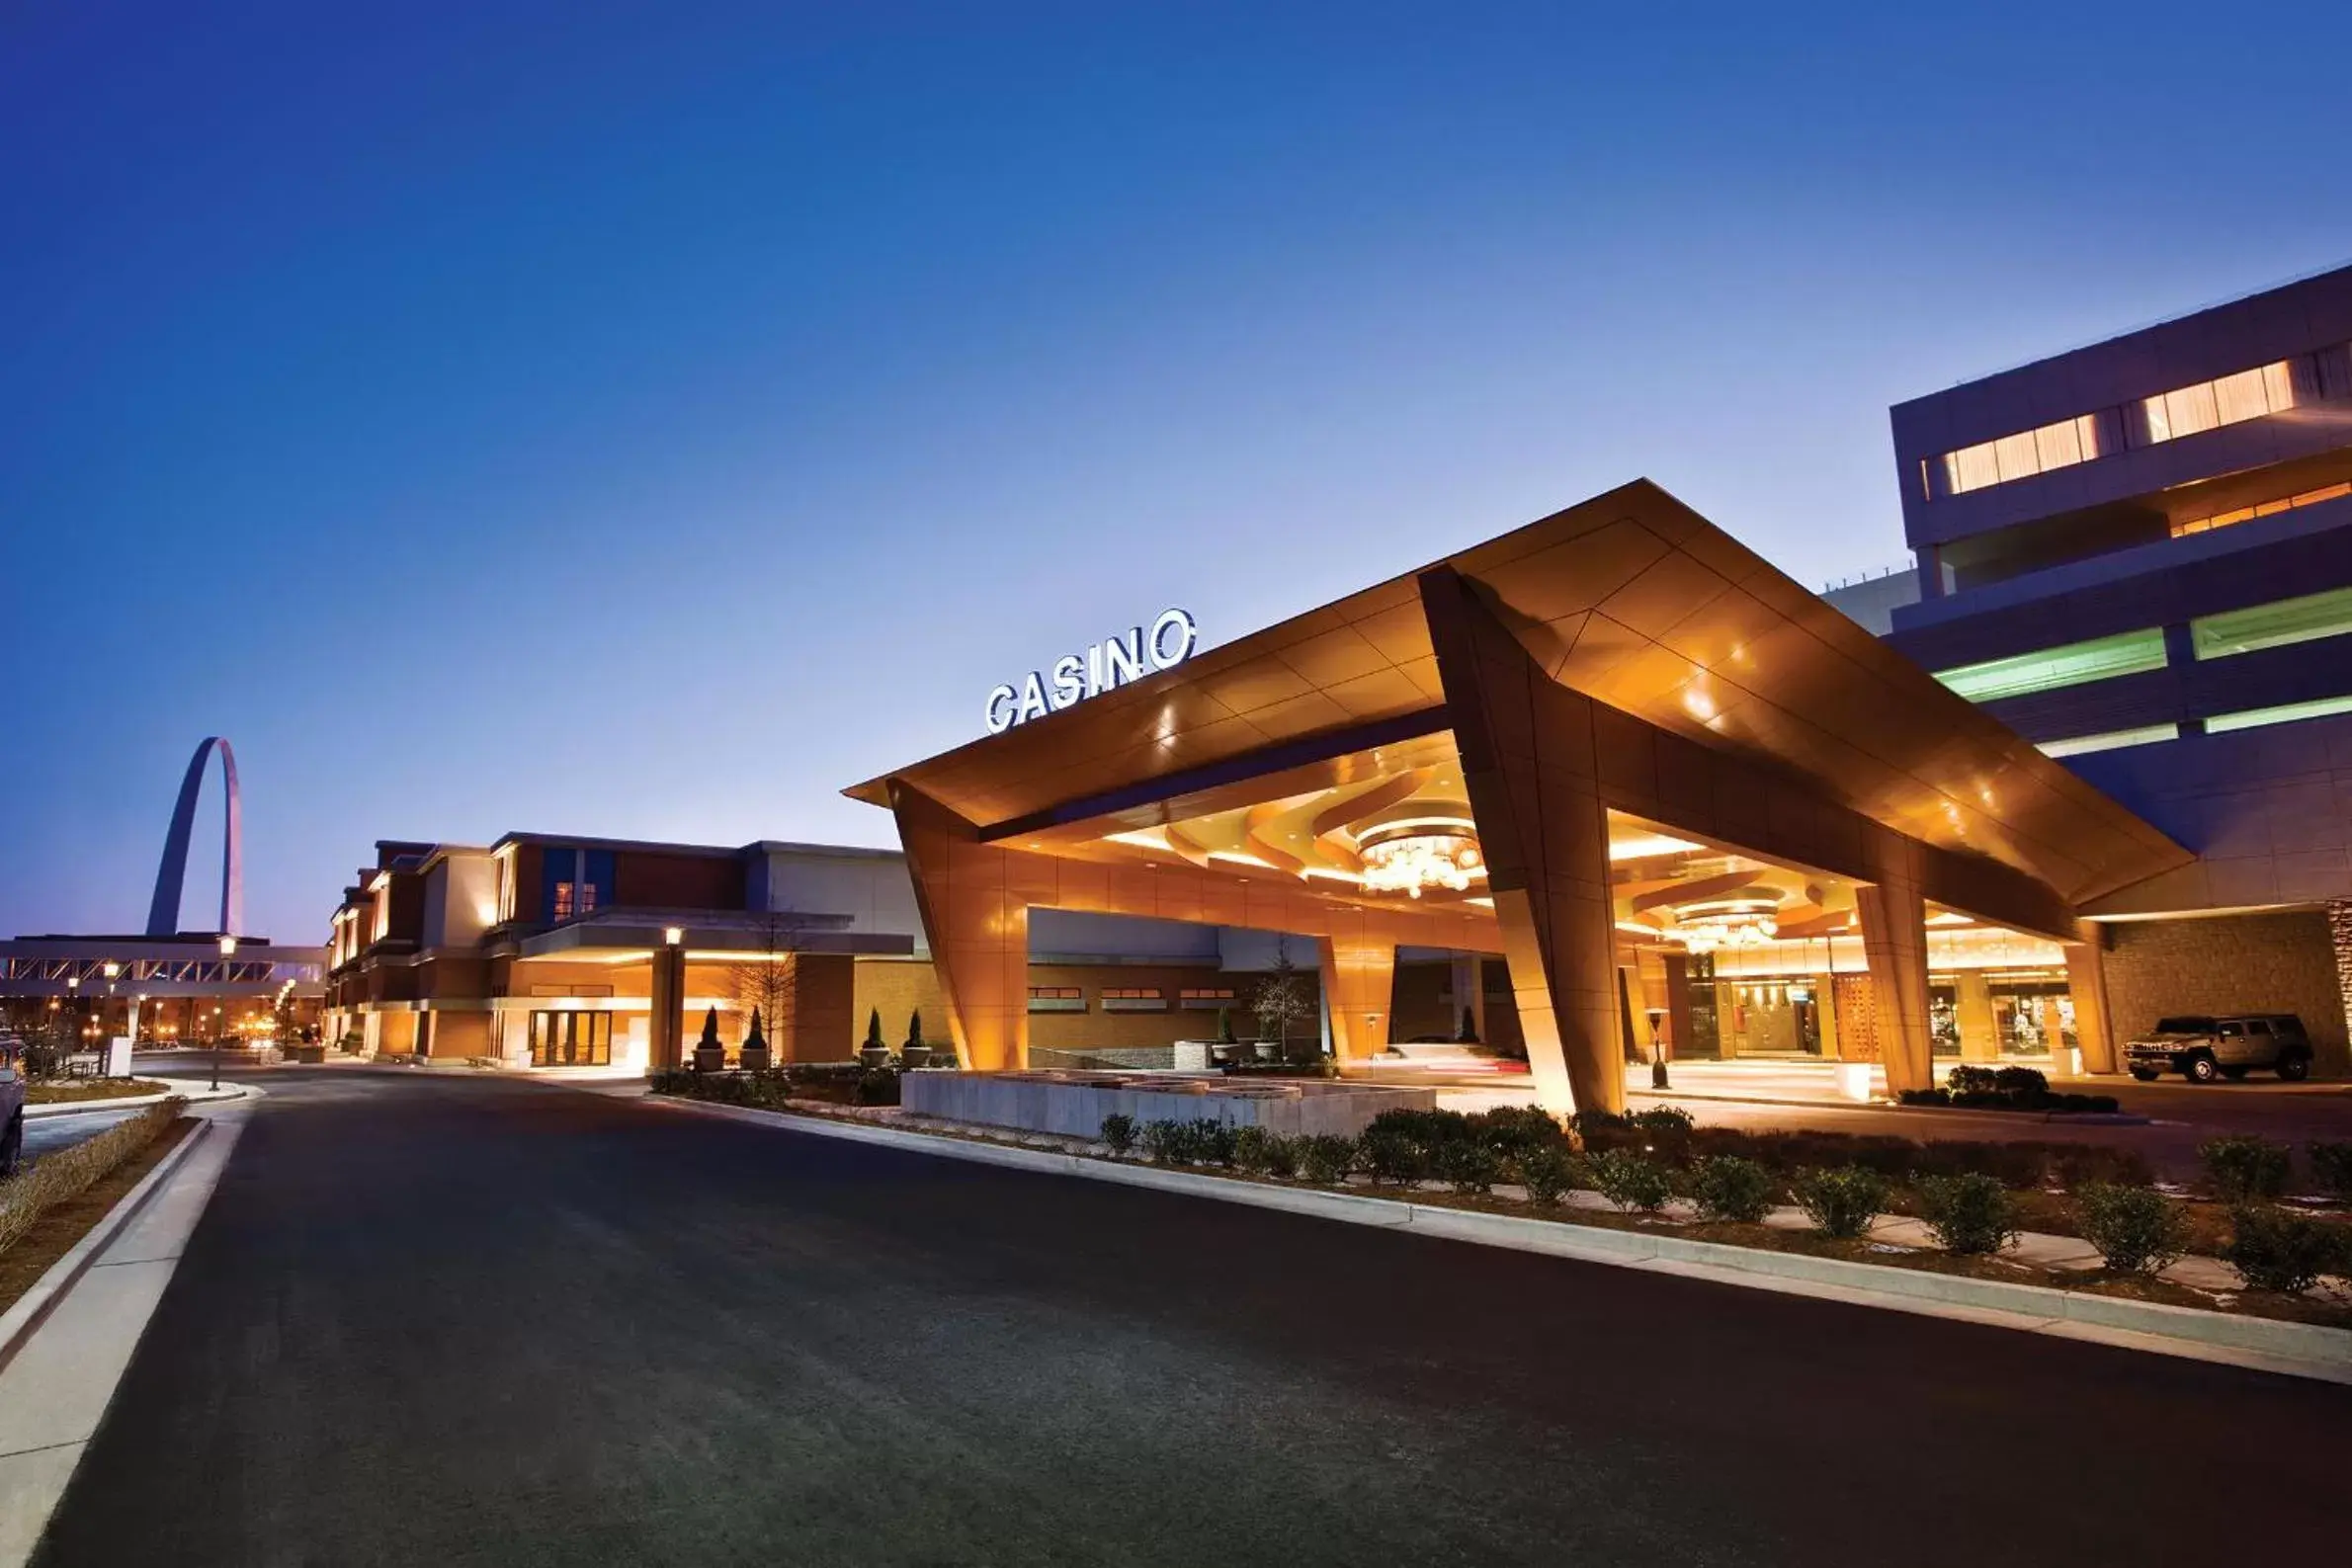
<point>196,1094</point>
<point>65,1345</point>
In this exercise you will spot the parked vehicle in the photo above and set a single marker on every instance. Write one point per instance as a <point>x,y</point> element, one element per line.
<point>12,1118</point>
<point>2202,1047</point>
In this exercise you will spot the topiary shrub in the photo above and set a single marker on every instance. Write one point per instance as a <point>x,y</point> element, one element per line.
<point>1728,1188</point>
<point>1325,1158</point>
<point>1967,1213</point>
<point>1547,1172</point>
<point>1120,1133</point>
<point>2275,1249</point>
<point>2243,1168</point>
<point>2331,1163</point>
<point>1631,1180</point>
<point>1281,1155</point>
<point>1470,1165</point>
<point>2137,1229</point>
<point>1841,1202</point>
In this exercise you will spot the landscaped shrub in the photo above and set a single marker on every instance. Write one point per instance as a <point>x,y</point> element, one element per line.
<point>1172,1142</point>
<point>41,1184</point>
<point>2276,1249</point>
<point>1470,1165</point>
<point>2003,1089</point>
<point>1393,1155</point>
<point>1325,1158</point>
<point>2137,1229</point>
<point>1547,1173</point>
<point>1118,1133</point>
<point>2331,1163</point>
<point>1841,1202</point>
<point>1968,1080</point>
<point>878,1087</point>
<point>1729,1187</point>
<point>1281,1155</point>
<point>1629,1179</point>
<point>1254,1149</point>
<point>2241,1168</point>
<point>1512,1130</point>
<point>2077,1166</point>
<point>1967,1213</point>
<point>2020,1081</point>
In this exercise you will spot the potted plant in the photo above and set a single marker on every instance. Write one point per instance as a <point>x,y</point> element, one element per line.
<point>710,1054</point>
<point>874,1053</point>
<point>755,1055</point>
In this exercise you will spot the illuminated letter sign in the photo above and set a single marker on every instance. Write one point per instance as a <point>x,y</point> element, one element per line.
<point>1128,655</point>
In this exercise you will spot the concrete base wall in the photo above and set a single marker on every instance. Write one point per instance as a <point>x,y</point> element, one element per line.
<point>1074,1106</point>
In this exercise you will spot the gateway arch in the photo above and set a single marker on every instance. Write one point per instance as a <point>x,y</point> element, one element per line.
<point>163,915</point>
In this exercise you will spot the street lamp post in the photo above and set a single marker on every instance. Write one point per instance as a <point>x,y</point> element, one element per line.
<point>228,949</point>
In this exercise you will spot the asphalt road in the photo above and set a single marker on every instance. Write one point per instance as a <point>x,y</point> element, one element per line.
<point>463,1321</point>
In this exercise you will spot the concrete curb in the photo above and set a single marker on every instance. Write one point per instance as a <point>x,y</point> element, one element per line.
<point>2299,1350</point>
<point>32,1309</point>
<point>2077,1118</point>
<point>194,1094</point>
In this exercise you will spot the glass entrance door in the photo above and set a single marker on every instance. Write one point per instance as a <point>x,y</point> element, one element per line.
<point>572,1039</point>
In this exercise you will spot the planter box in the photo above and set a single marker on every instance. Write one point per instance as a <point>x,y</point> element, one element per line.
<point>1074,1104</point>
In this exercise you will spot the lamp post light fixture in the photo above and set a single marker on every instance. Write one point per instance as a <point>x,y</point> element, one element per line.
<point>228,949</point>
<point>1657,1050</point>
<point>673,936</point>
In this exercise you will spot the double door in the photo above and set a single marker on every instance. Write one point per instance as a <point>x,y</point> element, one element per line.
<point>572,1039</point>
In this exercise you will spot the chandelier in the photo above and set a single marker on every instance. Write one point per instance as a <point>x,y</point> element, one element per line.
<point>1412,861</point>
<point>1745,919</point>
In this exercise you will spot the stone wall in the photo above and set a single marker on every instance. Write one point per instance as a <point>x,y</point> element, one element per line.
<point>2273,962</point>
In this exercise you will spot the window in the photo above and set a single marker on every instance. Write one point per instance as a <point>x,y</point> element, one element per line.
<point>2257,718</point>
<point>2273,625</point>
<point>1057,999</point>
<point>1205,998</point>
<point>2031,451</point>
<point>1134,999</point>
<point>563,898</point>
<point>2071,664</point>
<point>2111,740</point>
<point>2246,514</point>
<point>2271,388</point>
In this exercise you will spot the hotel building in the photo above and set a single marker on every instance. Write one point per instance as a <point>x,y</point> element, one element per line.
<point>548,951</point>
<point>2139,555</point>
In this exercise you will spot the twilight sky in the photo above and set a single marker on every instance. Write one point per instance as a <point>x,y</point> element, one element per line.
<point>644,420</point>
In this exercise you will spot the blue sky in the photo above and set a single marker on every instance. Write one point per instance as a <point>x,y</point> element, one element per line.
<point>645,420</point>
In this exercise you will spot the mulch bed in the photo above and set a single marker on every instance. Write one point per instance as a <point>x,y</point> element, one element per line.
<point>55,1233</point>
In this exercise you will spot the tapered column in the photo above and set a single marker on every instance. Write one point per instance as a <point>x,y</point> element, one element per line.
<point>1980,1035</point>
<point>666,1002</point>
<point>977,922</point>
<point>1470,993</point>
<point>1894,942</point>
<point>1359,981</point>
<point>1530,766</point>
<point>2086,982</point>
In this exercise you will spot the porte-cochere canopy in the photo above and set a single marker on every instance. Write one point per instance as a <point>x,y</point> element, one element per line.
<point>1615,725</point>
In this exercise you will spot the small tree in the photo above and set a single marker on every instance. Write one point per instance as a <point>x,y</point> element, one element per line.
<point>1225,1026</point>
<point>914,1030</point>
<point>769,981</point>
<point>1468,1033</point>
<point>873,1039</point>
<point>1280,998</point>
